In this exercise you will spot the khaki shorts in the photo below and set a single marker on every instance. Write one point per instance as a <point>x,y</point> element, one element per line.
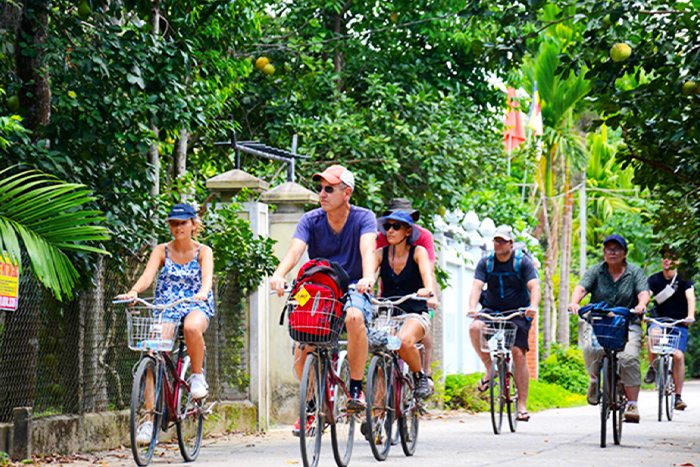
<point>630,366</point>
<point>422,318</point>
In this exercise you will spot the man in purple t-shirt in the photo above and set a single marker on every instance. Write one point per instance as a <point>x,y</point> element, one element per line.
<point>346,234</point>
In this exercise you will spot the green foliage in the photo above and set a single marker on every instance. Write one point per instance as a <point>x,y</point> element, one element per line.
<point>565,368</point>
<point>461,392</point>
<point>544,396</point>
<point>47,215</point>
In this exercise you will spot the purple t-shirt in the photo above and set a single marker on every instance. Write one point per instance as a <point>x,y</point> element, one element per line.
<point>343,248</point>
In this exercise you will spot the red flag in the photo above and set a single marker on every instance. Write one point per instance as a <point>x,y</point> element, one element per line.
<point>514,133</point>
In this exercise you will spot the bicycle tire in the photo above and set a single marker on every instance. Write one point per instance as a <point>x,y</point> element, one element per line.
<point>408,419</point>
<point>343,424</point>
<point>661,376</point>
<point>619,404</point>
<point>511,398</point>
<point>670,390</point>
<point>496,393</point>
<point>310,413</point>
<point>604,399</point>
<point>190,417</point>
<point>380,412</point>
<point>140,412</point>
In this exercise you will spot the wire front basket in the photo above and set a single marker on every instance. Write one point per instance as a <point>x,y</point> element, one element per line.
<point>664,343</point>
<point>608,332</point>
<point>318,321</point>
<point>498,336</point>
<point>383,332</point>
<point>148,332</point>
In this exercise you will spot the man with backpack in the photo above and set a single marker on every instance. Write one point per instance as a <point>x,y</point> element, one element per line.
<point>512,282</point>
<point>347,235</point>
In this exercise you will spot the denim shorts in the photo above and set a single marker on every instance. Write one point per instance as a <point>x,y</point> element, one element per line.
<point>682,331</point>
<point>362,302</point>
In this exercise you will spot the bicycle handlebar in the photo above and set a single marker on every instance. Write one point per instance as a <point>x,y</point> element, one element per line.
<point>153,306</point>
<point>668,322</point>
<point>505,315</point>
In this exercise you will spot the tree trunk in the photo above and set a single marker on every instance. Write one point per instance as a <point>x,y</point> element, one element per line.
<point>564,271</point>
<point>547,305</point>
<point>33,73</point>
<point>338,56</point>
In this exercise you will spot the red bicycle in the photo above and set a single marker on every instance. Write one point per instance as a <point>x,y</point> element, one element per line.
<point>160,395</point>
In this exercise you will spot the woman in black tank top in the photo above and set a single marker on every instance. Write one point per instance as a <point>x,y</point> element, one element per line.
<point>405,269</point>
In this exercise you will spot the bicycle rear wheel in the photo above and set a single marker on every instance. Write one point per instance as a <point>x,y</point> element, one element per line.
<point>343,425</point>
<point>497,393</point>
<point>310,414</point>
<point>190,417</point>
<point>380,411</point>
<point>408,419</point>
<point>511,393</point>
<point>146,407</point>
<point>604,398</point>
<point>670,390</point>
<point>619,404</point>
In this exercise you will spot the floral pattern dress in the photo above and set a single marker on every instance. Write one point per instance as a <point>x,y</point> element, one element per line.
<point>178,281</point>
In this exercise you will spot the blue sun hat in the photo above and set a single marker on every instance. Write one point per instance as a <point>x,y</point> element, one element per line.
<point>399,216</point>
<point>182,212</point>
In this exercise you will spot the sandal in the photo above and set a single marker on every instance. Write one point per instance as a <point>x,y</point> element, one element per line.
<point>523,417</point>
<point>483,384</point>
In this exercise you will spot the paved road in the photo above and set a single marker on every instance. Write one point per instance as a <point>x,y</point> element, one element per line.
<point>559,437</point>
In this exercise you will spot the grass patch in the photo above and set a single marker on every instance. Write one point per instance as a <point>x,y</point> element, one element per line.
<point>461,393</point>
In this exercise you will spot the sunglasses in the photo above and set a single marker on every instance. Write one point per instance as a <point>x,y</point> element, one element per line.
<point>614,251</point>
<point>393,225</point>
<point>500,241</point>
<point>328,189</point>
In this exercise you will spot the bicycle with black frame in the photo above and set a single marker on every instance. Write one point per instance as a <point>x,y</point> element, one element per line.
<point>665,343</point>
<point>497,338</point>
<point>160,395</point>
<point>609,327</point>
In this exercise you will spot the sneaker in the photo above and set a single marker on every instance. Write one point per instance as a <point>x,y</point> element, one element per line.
<point>145,433</point>
<point>422,389</point>
<point>680,405</point>
<point>650,377</point>
<point>198,386</point>
<point>592,394</point>
<point>631,413</point>
<point>357,403</point>
<point>296,429</point>
<point>431,384</point>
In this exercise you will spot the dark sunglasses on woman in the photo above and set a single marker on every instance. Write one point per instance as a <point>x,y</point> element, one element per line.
<point>395,225</point>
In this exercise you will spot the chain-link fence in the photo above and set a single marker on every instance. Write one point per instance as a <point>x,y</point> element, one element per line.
<point>72,357</point>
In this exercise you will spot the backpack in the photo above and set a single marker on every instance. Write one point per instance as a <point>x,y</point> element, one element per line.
<point>319,293</point>
<point>517,257</point>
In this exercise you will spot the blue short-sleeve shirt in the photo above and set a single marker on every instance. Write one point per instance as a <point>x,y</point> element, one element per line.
<point>344,247</point>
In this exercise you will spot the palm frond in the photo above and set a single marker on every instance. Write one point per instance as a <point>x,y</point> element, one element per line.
<point>44,213</point>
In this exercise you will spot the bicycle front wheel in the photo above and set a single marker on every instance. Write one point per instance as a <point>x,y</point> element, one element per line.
<point>146,410</point>
<point>670,390</point>
<point>619,404</point>
<point>190,417</point>
<point>511,397</point>
<point>408,419</point>
<point>343,426</point>
<point>497,393</point>
<point>661,384</point>
<point>310,414</point>
<point>604,399</point>
<point>380,410</point>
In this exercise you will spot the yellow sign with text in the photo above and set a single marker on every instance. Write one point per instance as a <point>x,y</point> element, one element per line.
<point>9,283</point>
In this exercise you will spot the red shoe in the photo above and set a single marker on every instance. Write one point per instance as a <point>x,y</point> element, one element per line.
<point>296,429</point>
<point>358,403</point>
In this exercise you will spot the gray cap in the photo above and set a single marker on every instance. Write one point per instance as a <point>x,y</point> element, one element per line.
<point>505,232</point>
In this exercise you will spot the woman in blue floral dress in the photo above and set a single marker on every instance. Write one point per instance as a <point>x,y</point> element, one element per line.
<point>187,271</point>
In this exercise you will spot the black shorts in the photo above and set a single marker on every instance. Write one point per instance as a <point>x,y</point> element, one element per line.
<point>523,329</point>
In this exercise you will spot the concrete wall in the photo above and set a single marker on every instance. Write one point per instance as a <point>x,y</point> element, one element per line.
<point>66,434</point>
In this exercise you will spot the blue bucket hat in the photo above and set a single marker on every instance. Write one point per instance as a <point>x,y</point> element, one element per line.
<point>617,238</point>
<point>182,212</point>
<point>400,216</point>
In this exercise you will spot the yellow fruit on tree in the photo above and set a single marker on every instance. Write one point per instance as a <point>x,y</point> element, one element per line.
<point>394,17</point>
<point>689,87</point>
<point>261,63</point>
<point>269,69</point>
<point>620,52</point>
<point>169,140</point>
<point>13,103</point>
